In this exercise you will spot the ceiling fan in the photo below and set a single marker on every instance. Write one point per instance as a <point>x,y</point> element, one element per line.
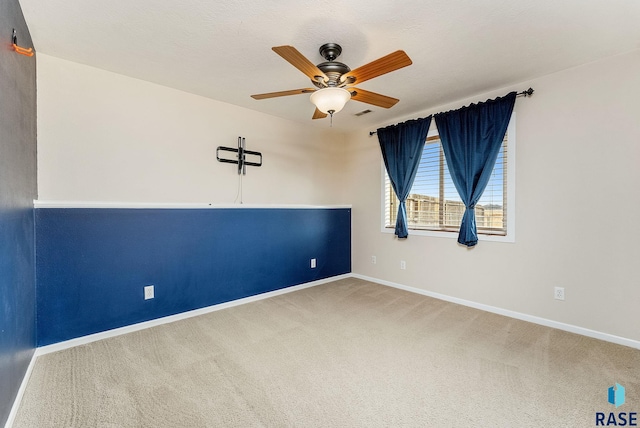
<point>334,80</point>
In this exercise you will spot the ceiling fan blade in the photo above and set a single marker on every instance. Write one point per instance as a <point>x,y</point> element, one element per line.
<point>318,114</point>
<point>282,93</point>
<point>372,98</point>
<point>384,65</point>
<point>299,61</point>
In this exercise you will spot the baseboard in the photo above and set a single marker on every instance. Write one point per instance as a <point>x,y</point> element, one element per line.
<point>184,315</point>
<point>508,313</point>
<point>20,394</point>
<point>493,309</point>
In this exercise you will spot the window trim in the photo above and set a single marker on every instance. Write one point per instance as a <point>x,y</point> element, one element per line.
<point>510,236</point>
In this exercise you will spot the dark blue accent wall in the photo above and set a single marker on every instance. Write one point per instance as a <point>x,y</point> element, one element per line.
<point>17,191</point>
<point>92,264</point>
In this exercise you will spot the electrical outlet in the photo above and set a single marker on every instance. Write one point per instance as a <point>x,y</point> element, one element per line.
<point>373,260</point>
<point>313,263</point>
<point>148,292</point>
<point>403,264</point>
<point>558,293</point>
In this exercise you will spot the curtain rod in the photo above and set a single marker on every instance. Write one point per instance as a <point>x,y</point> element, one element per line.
<point>526,93</point>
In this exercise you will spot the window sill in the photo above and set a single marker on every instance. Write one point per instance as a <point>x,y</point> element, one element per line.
<point>509,238</point>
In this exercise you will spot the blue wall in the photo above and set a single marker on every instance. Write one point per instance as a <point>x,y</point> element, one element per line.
<point>92,264</point>
<point>17,192</point>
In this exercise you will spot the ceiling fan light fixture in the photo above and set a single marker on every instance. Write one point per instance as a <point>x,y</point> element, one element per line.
<point>330,100</point>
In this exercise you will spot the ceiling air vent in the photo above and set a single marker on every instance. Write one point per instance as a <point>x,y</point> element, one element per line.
<point>363,112</point>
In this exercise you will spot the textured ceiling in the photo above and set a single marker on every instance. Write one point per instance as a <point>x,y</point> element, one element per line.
<point>222,49</point>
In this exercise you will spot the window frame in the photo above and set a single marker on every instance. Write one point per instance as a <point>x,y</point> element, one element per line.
<point>510,235</point>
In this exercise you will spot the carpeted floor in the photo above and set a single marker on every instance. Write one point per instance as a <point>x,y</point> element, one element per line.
<point>345,354</point>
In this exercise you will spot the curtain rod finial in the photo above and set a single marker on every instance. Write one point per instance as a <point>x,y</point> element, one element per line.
<point>528,92</point>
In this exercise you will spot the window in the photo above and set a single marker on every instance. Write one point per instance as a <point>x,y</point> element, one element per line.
<point>434,206</point>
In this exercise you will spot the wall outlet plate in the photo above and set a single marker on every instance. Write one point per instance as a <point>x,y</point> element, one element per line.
<point>149,292</point>
<point>313,263</point>
<point>373,260</point>
<point>558,293</point>
<point>403,264</point>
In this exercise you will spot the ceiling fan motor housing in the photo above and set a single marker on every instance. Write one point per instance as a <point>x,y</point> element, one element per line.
<point>332,69</point>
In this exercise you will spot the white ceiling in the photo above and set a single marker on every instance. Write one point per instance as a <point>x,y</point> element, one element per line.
<point>221,49</point>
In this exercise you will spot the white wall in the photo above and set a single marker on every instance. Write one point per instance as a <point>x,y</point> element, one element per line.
<point>107,137</point>
<point>577,208</point>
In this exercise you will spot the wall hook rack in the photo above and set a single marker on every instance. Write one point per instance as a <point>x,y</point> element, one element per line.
<point>241,157</point>
<point>20,49</point>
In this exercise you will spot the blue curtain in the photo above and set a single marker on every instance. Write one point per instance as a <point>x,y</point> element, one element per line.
<point>401,147</point>
<point>471,138</point>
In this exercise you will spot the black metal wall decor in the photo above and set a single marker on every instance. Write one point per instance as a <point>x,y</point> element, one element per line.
<point>240,159</point>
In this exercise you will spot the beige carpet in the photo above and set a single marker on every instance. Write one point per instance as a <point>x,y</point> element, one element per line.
<point>345,354</point>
